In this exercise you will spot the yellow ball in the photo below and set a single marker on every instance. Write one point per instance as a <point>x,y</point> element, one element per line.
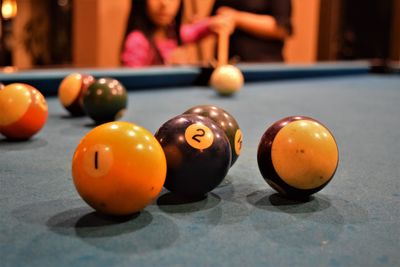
<point>298,156</point>
<point>305,154</point>
<point>119,168</point>
<point>227,79</point>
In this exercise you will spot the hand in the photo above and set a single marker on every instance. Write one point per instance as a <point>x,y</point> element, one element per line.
<point>228,11</point>
<point>222,23</point>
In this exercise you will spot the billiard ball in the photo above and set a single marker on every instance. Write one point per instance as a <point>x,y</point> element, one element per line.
<point>23,111</point>
<point>71,92</point>
<point>297,156</point>
<point>226,80</point>
<point>198,154</point>
<point>105,100</point>
<point>224,120</point>
<point>118,168</point>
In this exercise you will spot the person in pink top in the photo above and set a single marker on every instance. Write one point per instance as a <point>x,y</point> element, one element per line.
<point>154,31</point>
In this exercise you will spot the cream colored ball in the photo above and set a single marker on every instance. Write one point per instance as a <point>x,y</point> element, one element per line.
<point>227,79</point>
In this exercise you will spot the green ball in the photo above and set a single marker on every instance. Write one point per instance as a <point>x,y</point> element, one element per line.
<point>105,100</point>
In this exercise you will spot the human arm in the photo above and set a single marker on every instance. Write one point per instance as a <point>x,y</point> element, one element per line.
<point>275,25</point>
<point>213,25</point>
<point>195,31</point>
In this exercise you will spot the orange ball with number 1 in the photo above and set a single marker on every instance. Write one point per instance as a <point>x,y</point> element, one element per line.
<point>119,168</point>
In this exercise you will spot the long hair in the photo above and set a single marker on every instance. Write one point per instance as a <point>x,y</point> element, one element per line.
<point>139,20</point>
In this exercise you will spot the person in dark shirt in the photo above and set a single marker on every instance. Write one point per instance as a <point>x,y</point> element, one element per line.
<point>260,28</point>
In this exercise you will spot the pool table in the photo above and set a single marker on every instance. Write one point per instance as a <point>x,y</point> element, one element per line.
<point>353,221</point>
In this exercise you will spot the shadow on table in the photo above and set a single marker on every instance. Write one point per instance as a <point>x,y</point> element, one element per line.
<point>173,203</point>
<point>15,145</point>
<point>317,203</point>
<point>276,202</point>
<point>82,121</point>
<point>95,219</point>
<point>66,116</point>
<point>313,223</point>
<point>137,233</point>
<point>196,217</point>
<point>89,223</point>
<point>90,125</point>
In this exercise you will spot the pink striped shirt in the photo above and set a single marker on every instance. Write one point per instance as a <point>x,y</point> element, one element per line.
<point>137,50</point>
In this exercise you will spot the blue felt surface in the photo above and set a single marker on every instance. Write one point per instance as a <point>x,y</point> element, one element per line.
<point>354,221</point>
<point>48,80</point>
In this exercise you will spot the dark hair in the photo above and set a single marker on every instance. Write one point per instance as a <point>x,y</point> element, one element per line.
<point>139,20</point>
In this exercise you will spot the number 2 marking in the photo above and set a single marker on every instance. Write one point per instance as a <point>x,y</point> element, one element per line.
<point>199,136</point>
<point>96,154</point>
<point>202,133</point>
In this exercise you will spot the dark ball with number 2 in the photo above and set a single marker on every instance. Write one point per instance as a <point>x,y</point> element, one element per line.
<point>226,121</point>
<point>198,154</point>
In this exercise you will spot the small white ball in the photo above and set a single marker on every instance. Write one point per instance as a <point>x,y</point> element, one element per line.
<point>227,79</point>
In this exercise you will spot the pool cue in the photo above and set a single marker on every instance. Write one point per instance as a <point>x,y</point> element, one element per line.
<point>223,48</point>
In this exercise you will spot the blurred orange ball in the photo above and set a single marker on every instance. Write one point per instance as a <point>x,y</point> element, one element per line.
<point>23,111</point>
<point>72,90</point>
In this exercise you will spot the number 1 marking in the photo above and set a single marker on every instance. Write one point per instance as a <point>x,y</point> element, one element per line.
<point>96,154</point>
